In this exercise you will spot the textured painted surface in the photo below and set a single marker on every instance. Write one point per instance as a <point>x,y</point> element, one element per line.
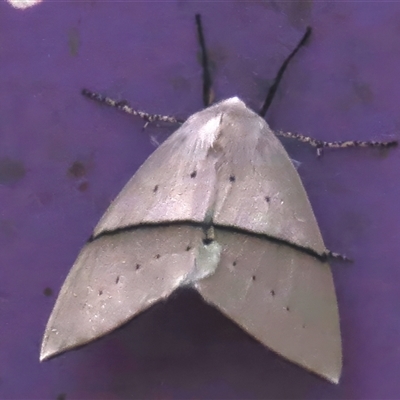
<point>63,159</point>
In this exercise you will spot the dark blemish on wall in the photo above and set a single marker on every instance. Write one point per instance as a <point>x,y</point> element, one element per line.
<point>363,92</point>
<point>83,186</point>
<point>77,170</point>
<point>47,291</point>
<point>11,171</point>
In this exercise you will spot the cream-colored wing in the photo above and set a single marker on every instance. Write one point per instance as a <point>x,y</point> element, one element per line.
<point>259,190</point>
<point>282,297</point>
<point>223,164</point>
<point>114,278</point>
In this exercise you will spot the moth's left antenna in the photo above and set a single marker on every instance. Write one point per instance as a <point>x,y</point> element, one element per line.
<point>208,95</point>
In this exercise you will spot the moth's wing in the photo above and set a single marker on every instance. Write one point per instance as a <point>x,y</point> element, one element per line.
<point>176,183</point>
<point>116,277</point>
<point>223,164</point>
<point>259,190</point>
<point>282,297</point>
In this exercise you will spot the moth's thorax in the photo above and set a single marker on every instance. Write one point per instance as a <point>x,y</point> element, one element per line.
<point>211,131</point>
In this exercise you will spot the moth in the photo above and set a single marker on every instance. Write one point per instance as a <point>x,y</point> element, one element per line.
<point>218,207</point>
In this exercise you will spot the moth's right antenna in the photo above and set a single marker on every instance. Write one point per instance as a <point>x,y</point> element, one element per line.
<point>278,78</point>
<point>208,95</point>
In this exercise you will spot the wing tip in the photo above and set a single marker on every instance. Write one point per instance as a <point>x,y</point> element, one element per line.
<point>46,352</point>
<point>335,380</point>
<point>53,346</point>
<point>330,372</point>
<point>332,378</point>
<point>44,356</point>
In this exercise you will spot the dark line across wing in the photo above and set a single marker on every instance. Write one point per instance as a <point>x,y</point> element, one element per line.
<point>322,257</point>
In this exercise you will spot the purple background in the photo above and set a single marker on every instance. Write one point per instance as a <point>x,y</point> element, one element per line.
<point>64,158</point>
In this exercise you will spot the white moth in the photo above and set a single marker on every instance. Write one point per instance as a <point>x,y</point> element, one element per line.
<point>218,207</point>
